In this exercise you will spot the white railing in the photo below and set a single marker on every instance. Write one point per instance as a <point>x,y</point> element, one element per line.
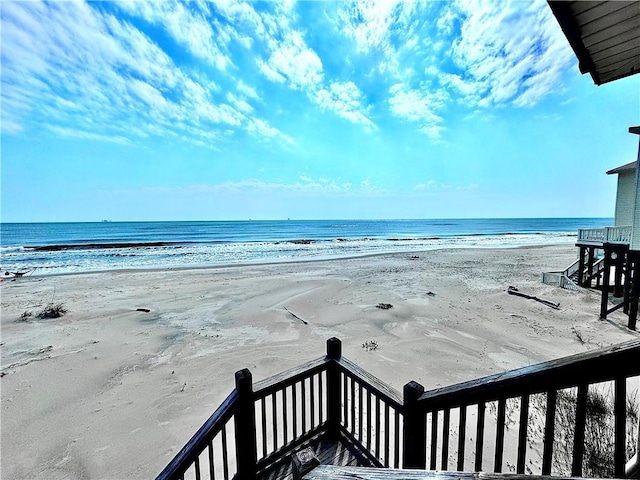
<point>605,235</point>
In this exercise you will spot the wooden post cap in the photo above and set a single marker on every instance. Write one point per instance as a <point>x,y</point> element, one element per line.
<point>334,348</point>
<point>303,462</point>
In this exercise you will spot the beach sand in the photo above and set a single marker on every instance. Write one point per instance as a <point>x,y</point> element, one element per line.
<point>110,392</point>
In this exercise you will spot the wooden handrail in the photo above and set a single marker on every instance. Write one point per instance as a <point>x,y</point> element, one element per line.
<point>592,367</point>
<point>188,454</point>
<point>289,377</point>
<point>381,389</point>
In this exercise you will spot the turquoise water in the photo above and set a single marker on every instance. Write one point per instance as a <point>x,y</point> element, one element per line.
<point>53,248</point>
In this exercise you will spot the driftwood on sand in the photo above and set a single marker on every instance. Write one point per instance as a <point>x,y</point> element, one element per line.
<point>296,316</point>
<point>548,303</point>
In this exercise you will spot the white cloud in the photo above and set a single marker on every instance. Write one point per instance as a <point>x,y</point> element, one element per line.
<point>292,62</point>
<point>88,70</point>
<point>419,107</point>
<point>261,129</point>
<point>345,100</point>
<point>296,62</point>
<point>433,186</point>
<point>187,27</point>
<point>508,52</point>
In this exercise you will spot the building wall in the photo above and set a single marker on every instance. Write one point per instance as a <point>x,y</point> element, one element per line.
<point>625,198</point>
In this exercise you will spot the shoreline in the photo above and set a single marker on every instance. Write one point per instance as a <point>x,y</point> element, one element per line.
<point>285,262</point>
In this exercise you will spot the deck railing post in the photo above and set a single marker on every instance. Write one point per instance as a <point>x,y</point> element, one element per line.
<point>414,428</point>
<point>334,391</point>
<point>604,301</point>
<point>245,427</point>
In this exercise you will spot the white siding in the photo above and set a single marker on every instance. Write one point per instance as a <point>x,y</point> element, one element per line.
<point>625,198</point>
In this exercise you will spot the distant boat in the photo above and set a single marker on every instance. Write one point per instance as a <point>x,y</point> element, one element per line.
<point>105,221</point>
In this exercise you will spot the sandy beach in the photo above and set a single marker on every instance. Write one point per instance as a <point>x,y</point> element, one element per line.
<point>107,391</point>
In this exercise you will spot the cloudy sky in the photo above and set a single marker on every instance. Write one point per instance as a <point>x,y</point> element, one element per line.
<point>232,110</point>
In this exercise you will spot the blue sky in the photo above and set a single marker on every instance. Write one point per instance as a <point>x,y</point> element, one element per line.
<point>235,110</point>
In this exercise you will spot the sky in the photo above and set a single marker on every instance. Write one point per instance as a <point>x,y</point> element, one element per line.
<point>134,111</point>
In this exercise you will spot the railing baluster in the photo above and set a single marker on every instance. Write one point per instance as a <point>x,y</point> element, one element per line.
<point>312,398</point>
<point>359,411</point>
<point>578,438</point>
<point>285,411</point>
<point>462,433</point>
<point>353,406</point>
<point>377,426</point>
<point>620,424</point>
<point>294,406</point>
<point>303,393</point>
<point>434,439</point>
<point>263,412</point>
<point>368,420</point>
<point>274,420</point>
<point>225,459</point>
<point>196,465</point>
<point>396,441</point>
<point>321,399</point>
<point>549,432</point>
<point>497,466</point>
<point>386,434</point>
<point>480,437</point>
<point>212,470</point>
<point>345,400</point>
<point>522,434</point>
<point>445,438</point>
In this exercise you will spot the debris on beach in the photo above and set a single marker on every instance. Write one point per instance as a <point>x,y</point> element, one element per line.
<point>295,316</point>
<point>25,316</point>
<point>514,291</point>
<point>370,345</point>
<point>52,311</point>
<point>145,310</point>
<point>384,306</point>
<point>19,274</point>
<point>414,257</point>
<point>431,294</point>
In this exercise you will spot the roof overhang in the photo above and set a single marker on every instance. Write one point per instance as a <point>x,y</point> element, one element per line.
<point>629,167</point>
<point>605,36</point>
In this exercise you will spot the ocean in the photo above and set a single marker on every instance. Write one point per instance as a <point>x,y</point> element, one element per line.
<point>55,248</point>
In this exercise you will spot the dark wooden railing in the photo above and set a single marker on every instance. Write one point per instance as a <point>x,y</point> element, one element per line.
<point>259,425</point>
<point>582,374</point>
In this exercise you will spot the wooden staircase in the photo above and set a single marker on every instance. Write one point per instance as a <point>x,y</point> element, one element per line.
<point>258,428</point>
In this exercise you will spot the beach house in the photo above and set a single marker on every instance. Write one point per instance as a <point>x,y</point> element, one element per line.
<point>605,37</point>
<point>330,419</point>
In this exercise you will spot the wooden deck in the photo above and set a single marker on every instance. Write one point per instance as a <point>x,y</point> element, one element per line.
<point>329,452</point>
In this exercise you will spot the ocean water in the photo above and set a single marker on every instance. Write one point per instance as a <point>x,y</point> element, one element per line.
<point>54,248</point>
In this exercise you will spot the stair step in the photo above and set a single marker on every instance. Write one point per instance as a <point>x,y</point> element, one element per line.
<point>334,472</point>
